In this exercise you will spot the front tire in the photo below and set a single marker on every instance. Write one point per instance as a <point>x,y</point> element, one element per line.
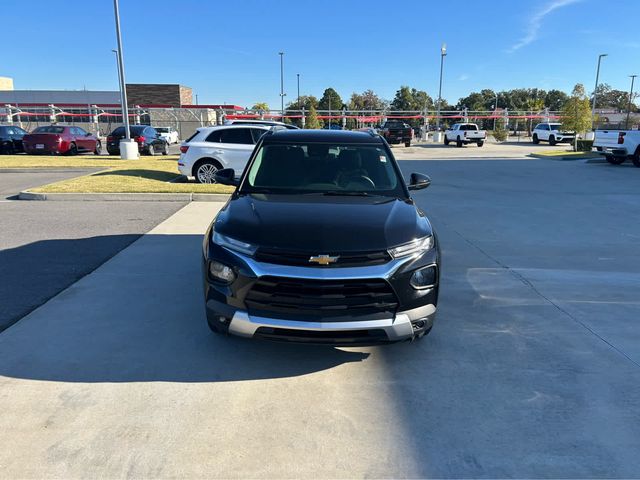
<point>635,158</point>
<point>446,140</point>
<point>98,149</point>
<point>536,140</point>
<point>552,140</point>
<point>615,160</point>
<point>205,171</point>
<point>458,142</point>
<point>165,150</point>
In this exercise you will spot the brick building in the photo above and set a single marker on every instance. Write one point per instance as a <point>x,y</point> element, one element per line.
<point>172,95</point>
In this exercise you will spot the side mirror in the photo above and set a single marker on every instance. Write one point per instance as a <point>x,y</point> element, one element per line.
<point>418,181</point>
<point>226,176</point>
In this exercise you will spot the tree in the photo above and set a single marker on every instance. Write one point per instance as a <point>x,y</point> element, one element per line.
<point>312,118</point>
<point>330,101</point>
<point>555,99</point>
<point>407,99</point>
<point>261,106</point>
<point>306,102</point>
<point>366,100</point>
<point>607,97</point>
<point>576,112</point>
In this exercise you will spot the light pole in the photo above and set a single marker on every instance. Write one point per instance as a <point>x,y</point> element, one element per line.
<point>298,75</point>
<point>126,152</point>
<point>495,111</point>
<point>443,53</point>
<point>282,94</point>
<point>626,125</point>
<point>595,90</point>
<point>115,52</point>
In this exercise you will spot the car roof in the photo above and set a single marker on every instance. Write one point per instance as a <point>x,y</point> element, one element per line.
<point>321,136</point>
<point>220,127</point>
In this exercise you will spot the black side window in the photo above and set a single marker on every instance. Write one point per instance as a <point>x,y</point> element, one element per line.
<point>257,133</point>
<point>213,137</point>
<point>237,135</point>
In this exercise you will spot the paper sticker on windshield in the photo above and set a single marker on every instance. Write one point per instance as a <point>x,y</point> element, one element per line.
<point>383,159</point>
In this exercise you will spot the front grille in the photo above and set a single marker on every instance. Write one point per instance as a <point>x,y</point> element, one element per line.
<point>301,259</point>
<point>311,300</point>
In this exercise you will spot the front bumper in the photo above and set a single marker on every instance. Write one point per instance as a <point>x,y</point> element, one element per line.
<point>402,326</point>
<point>232,308</point>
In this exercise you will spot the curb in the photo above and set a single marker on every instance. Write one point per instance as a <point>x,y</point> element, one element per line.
<point>558,157</point>
<point>124,197</point>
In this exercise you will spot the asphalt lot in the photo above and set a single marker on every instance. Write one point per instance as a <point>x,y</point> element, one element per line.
<point>532,369</point>
<point>46,246</point>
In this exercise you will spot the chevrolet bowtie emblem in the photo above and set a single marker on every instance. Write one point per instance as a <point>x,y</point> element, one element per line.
<point>323,259</point>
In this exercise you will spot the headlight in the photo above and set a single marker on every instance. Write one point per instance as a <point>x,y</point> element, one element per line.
<point>233,244</point>
<point>417,246</point>
<point>220,272</point>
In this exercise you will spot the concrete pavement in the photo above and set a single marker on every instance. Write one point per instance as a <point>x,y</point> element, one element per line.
<point>532,369</point>
<point>46,246</point>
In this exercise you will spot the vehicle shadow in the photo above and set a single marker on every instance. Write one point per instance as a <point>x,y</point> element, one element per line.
<point>160,175</point>
<point>140,318</point>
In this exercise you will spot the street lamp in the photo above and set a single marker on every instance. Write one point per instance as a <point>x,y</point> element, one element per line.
<point>298,75</point>
<point>495,111</point>
<point>626,125</point>
<point>282,94</point>
<point>595,90</point>
<point>443,53</point>
<point>127,151</point>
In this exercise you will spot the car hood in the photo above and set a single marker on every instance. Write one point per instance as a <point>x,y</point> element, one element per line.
<point>322,223</point>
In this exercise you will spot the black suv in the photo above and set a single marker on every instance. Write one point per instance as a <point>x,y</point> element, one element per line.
<point>321,243</point>
<point>148,139</point>
<point>11,139</point>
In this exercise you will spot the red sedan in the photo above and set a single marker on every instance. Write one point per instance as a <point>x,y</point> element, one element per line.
<point>62,139</point>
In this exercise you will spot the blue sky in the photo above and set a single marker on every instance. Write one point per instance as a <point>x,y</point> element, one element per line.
<point>227,51</point>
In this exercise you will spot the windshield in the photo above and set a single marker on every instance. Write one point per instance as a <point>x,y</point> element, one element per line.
<point>50,129</point>
<point>334,169</point>
<point>555,127</point>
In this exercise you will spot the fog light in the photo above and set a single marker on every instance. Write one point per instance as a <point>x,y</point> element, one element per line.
<point>221,272</point>
<point>424,278</point>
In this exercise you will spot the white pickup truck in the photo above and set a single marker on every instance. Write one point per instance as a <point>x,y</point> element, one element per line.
<point>618,145</point>
<point>169,134</point>
<point>463,133</point>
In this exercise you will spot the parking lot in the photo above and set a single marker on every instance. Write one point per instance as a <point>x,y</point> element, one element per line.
<point>532,369</point>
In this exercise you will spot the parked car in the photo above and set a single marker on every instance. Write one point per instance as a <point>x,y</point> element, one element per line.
<point>148,139</point>
<point>618,145</point>
<point>213,148</point>
<point>269,123</point>
<point>552,133</point>
<point>62,139</point>
<point>464,133</point>
<point>321,243</point>
<point>395,131</point>
<point>11,139</point>
<point>169,134</point>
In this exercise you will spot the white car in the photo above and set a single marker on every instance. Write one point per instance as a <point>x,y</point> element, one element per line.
<point>169,134</point>
<point>213,148</point>
<point>271,123</point>
<point>552,133</point>
<point>465,133</point>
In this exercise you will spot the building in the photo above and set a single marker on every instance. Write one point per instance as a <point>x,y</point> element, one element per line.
<point>170,95</point>
<point>6,83</point>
